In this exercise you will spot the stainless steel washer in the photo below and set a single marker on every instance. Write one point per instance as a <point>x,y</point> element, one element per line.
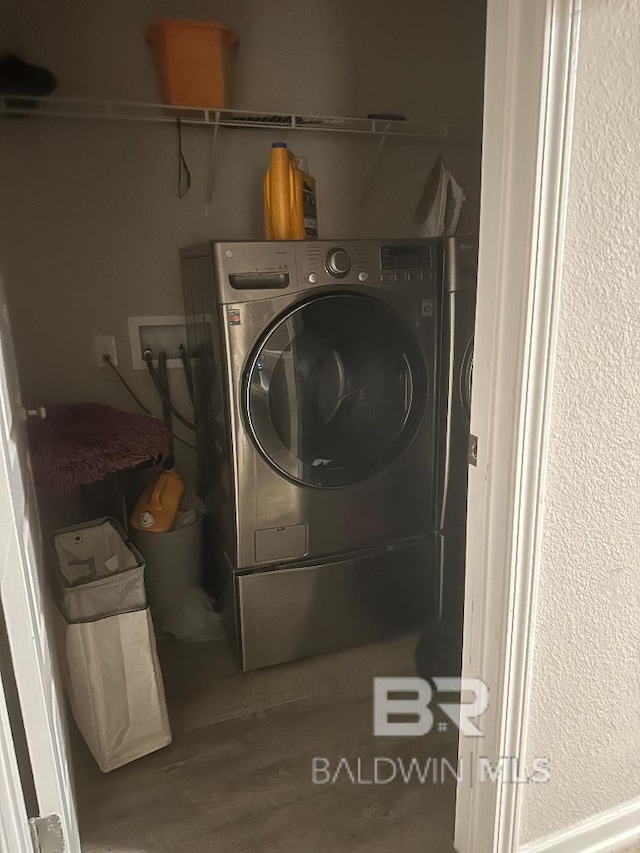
<point>315,373</point>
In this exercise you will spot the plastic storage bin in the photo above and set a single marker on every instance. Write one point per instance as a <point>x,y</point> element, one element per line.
<point>195,62</point>
<point>109,660</point>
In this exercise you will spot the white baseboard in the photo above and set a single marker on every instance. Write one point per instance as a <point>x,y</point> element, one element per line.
<point>615,829</point>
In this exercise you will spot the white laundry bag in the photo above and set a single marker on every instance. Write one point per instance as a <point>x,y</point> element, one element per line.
<point>109,661</point>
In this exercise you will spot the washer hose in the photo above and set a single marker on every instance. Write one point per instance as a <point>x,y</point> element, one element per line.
<point>163,394</point>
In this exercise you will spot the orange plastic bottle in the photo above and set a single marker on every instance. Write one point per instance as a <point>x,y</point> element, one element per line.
<point>158,505</point>
<point>290,211</point>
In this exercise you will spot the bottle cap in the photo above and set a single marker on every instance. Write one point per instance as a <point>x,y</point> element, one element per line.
<point>278,144</point>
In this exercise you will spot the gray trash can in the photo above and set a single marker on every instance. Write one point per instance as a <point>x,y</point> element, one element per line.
<point>179,605</point>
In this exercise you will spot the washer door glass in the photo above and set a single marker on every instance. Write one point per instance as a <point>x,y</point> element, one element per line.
<point>335,391</point>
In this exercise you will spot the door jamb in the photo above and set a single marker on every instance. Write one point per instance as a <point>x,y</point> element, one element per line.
<point>531,63</point>
<point>14,823</point>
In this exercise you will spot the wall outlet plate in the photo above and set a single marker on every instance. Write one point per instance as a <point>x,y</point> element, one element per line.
<point>105,345</point>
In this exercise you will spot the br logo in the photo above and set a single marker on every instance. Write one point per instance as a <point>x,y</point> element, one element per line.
<point>401,706</point>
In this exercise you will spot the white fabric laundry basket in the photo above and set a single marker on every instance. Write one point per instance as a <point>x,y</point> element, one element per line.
<point>110,663</point>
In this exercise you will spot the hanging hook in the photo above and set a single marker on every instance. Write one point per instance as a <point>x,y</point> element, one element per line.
<point>184,174</point>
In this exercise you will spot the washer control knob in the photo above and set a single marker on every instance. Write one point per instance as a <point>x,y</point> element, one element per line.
<point>337,263</point>
<point>312,278</point>
<point>363,276</point>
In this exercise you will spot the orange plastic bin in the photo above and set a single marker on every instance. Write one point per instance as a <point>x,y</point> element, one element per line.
<point>195,61</point>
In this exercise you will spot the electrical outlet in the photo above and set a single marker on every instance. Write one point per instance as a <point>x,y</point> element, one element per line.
<point>105,345</point>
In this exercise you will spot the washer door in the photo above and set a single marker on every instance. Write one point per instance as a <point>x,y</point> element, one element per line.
<point>335,391</point>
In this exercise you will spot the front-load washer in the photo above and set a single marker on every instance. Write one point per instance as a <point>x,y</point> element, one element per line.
<point>314,372</point>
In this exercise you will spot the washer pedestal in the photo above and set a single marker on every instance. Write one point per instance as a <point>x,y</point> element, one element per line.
<point>286,613</point>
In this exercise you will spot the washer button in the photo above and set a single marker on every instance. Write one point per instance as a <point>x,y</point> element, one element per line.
<point>312,278</point>
<point>363,276</point>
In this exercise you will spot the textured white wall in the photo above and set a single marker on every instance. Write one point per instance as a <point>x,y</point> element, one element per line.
<point>585,711</point>
<point>90,224</point>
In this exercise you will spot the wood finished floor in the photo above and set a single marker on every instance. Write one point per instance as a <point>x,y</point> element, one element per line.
<point>237,777</point>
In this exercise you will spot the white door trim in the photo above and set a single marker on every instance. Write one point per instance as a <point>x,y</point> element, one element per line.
<point>24,596</point>
<point>529,88</point>
<point>14,824</point>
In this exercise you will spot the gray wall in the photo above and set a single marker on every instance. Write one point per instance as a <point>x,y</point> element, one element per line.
<point>91,226</point>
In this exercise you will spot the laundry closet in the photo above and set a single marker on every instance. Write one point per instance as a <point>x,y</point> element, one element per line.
<point>98,201</point>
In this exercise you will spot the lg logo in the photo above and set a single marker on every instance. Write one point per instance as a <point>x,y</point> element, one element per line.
<point>410,698</point>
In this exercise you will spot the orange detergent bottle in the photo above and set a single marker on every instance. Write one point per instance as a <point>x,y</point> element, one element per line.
<point>290,208</point>
<point>158,505</point>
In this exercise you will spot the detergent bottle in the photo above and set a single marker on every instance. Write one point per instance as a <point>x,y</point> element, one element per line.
<point>158,505</point>
<point>290,208</point>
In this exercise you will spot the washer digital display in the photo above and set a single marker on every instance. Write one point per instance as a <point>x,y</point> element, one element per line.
<point>399,257</point>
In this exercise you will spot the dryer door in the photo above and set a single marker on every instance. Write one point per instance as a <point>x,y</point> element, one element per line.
<point>335,391</point>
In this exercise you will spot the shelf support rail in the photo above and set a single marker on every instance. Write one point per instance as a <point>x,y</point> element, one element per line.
<point>368,181</point>
<point>213,155</point>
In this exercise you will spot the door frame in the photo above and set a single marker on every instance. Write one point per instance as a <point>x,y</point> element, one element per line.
<point>14,823</point>
<point>531,61</point>
<point>27,614</point>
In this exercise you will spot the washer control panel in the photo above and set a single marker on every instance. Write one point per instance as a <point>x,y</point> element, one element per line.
<point>392,263</point>
<point>246,271</point>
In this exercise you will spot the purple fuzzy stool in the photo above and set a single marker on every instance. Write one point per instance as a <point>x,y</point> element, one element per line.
<point>82,443</point>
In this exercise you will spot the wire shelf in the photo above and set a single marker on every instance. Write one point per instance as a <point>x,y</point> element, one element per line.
<point>82,108</point>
